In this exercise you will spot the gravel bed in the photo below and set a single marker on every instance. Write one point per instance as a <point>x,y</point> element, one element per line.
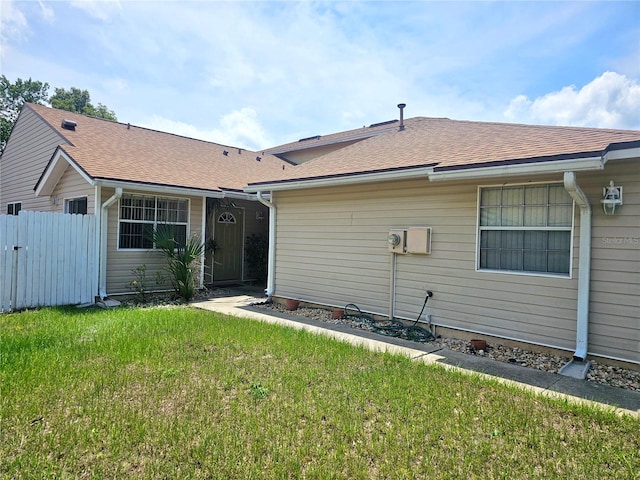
<point>600,373</point>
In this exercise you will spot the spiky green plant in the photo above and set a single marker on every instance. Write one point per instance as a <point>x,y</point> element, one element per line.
<point>183,259</point>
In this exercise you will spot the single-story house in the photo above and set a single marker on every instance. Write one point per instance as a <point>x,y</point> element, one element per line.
<point>526,233</point>
<point>134,178</point>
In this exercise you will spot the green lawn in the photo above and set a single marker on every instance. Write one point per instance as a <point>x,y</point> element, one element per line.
<point>183,393</point>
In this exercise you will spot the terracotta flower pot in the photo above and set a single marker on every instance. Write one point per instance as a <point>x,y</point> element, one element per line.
<point>338,314</point>
<point>478,344</point>
<point>292,304</point>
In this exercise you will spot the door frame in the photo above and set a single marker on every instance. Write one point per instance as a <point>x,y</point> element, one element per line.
<point>216,211</point>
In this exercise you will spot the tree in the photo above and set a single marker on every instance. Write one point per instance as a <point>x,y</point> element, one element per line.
<point>13,96</point>
<point>79,101</point>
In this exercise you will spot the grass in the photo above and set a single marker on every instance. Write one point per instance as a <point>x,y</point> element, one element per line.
<point>182,393</point>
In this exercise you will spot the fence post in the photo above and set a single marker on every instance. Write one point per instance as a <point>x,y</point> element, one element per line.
<point>14,279</point>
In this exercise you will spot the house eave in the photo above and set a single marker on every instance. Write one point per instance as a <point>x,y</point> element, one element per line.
<point>513,170</point>
<point>623,153</point>
<point>55,169</point>
<point>171,189</point>
<point>343,179</point>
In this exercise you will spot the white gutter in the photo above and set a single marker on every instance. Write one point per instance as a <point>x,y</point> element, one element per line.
<point>584,264</point>
<point>557,166</point>
<point>203,236</point>
<point>622,154</point>
<point>271,263</point>
<point>158,189</point>
<point>104,215</point>
<point>343,180</point>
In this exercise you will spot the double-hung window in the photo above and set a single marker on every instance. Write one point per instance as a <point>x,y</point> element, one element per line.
<point>140,215</point>
<point>525,228</point>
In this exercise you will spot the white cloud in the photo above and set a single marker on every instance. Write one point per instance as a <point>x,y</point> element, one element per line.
<point>239,128</point>
<point>13,23</point>
<point>100,9</point>
<point>609,101</point>
<point>47,12</point>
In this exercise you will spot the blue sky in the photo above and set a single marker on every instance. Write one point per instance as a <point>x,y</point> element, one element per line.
<point>258,74</point>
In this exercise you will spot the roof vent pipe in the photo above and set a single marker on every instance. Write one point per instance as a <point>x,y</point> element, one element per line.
<point>401,107</point>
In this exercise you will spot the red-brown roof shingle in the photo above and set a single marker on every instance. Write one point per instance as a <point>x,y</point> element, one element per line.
<point>122,152</point>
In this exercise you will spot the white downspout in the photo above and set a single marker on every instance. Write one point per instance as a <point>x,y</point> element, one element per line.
<point>584,264</point>
<point>103,240</point>
<point>271,265</point>
<point>392,285</point>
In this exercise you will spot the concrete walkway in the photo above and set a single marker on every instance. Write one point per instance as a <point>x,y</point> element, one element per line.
<point>239,303</point>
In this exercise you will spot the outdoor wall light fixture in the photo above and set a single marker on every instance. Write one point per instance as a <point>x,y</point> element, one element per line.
<point>611,198</point>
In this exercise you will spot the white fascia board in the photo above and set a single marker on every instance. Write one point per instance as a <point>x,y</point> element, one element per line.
<point>54,172</point>
<point>557,166</point>
<point>240,195</point>
<point>623,154</point>
<point>343,180</point>
<point>143,187</point>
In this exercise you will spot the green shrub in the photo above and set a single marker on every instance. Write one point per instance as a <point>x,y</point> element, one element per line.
<point>183,259</point>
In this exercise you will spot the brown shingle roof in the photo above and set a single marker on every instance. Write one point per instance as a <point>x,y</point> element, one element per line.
<point>117,151</point>
<point>451,144</point>
<point>336,138</point>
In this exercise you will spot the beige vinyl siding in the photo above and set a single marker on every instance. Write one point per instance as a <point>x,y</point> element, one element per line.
<point>332,249</point>
<point>25,157</point>
<point>73,185</point>
<point>120,263</point>
<point>614,329</point>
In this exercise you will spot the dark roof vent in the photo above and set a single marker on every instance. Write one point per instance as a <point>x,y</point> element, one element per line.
<point>225,153</point>
<point>69,125</point>
<point>388,122</point>
<point>401,107</point>
<point>316,137</point>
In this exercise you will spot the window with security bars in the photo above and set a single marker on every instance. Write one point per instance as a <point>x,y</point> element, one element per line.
<point>525,228</point>
<point>140,215</point>
<point>76,205</point>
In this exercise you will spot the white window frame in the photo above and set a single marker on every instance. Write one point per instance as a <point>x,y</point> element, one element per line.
<point>13,209</point>
<point>155,222</point>
<point>480,228</point>
<point>67,201</point>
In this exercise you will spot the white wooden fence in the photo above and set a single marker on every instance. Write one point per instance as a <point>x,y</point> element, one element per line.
<point>47,259</point>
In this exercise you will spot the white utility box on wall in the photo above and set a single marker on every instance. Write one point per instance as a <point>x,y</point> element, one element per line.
<point>397,240</point>
<point>419,240</point>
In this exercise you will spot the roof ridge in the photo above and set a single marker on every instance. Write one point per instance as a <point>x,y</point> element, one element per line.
<point>130,125</point>
<point>527,125</point>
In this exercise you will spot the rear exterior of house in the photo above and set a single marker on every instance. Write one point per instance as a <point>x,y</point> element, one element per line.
<point>332,249</point>
<point>506,232</point>
<point>48,168</point>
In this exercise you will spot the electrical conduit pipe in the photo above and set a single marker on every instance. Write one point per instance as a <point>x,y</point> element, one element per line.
<point>584,264</point>
<point>103,241</point>
<point>271,262</point>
